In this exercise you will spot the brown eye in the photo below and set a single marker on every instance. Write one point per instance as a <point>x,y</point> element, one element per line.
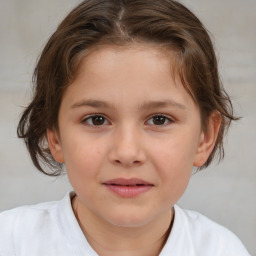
<point>98,120</point>
<point>95,120</point>
<point>159,120</point>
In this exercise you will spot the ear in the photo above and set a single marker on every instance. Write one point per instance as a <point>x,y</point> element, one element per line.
<point>55,145</point>
<point>207,139</point>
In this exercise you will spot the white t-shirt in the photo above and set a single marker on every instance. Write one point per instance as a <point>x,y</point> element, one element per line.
<point>51,228</point>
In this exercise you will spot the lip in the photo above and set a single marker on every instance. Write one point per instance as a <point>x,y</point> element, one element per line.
<point>128,188</point>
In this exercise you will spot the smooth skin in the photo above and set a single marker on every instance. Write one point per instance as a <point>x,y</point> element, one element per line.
<point>125,116</point>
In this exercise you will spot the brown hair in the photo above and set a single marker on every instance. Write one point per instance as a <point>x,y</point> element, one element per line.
<point>94,22</point>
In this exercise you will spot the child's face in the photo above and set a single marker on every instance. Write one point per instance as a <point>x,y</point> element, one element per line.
<point>125,118</point>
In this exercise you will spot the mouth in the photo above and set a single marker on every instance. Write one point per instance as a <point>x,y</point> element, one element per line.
<point>128,188</point>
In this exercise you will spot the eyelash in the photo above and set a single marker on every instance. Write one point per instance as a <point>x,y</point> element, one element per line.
<point>85,120</point>
<point>166,118</point>
<point>90,117</point>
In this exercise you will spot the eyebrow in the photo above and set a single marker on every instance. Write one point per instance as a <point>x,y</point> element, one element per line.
<point>143,106</point>
<point>91,103</point>
<point>162,104</point>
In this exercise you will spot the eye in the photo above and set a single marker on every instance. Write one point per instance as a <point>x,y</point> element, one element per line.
<point>159,120</point>
<point>95,120</point>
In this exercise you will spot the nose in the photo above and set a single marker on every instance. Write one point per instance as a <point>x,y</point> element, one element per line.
<point>127,148</point>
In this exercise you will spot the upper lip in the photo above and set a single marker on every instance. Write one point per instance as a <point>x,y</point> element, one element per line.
<point>127,182</point>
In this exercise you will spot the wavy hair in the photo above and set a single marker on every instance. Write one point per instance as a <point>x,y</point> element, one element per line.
<point>165,23</point>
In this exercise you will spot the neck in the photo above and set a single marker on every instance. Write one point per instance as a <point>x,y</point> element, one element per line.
<point>107,239</point>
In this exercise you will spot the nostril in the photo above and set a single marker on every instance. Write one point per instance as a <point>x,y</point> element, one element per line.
<point>125,156</point>
<point>127,163</point>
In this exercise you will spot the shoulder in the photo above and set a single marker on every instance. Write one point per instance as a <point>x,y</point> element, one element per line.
<point>43,229</point>
<point>22,220</point>
<point>198,223</point>
<point>26,213</point>
<point>206,235</point>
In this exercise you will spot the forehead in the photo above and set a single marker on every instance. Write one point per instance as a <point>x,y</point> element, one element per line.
<point>129,55</point>
<point>117,71</point>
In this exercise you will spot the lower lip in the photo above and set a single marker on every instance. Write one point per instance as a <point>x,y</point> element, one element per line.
<point>128,191</point>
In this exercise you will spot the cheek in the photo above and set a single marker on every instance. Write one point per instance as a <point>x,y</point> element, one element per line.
<point>83,160</point>
<point>83,167</point>
<point>175,154</point>
<point>174,161</point>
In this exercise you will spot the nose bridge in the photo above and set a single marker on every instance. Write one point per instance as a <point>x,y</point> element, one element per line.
<point>127,145</point>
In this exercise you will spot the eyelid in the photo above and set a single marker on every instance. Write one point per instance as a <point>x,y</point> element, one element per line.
<point>170,119</point>
<point>84,119</point>
<point>87,117</point>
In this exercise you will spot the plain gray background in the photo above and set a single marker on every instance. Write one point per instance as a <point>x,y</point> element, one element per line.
<point>225,192</point>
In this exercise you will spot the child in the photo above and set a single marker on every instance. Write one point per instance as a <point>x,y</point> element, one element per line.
<point>128,98</point>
